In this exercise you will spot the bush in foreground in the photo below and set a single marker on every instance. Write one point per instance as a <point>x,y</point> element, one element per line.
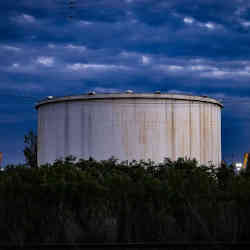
<point>108,201</point>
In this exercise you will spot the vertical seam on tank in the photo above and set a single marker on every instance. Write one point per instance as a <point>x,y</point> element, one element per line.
<point>56,131</point>
<point>219,135</point>
<point>201,151</point>
<point>143,135</point>
<point>135,128</point>
<point>90,130</point>
<point>46,127</point>
<point>38,136</point>
<point>66,130</point>
<point>205,134</point>
<point>166,132</point>
<point>173,133</point>
<point>112,119</point>
<point>190,131</point>
<point>82,126</point>
<point>112,128</point>
<point>216,135</point>
<point>212,132</point>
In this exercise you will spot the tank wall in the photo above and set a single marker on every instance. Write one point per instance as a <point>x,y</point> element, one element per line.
<point>130,129</point>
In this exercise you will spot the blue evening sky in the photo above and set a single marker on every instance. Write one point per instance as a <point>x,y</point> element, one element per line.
<point>199,47</point>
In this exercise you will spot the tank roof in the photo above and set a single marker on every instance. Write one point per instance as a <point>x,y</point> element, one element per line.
<point>128,95</point>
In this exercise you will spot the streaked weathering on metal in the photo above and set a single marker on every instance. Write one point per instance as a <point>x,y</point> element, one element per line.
<point>130,127</point>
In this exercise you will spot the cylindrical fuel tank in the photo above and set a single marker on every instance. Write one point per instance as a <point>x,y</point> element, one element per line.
<point>130,127</point>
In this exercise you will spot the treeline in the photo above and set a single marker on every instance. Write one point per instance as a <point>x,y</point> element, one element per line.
<point>107,201</point>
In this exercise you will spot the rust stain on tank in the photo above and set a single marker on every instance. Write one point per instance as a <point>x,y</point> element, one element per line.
<point>66,129</point>
<point>124,135</point>
<point>201,135</point>
<point>142,129</point>
<point>173,132</point>
<point>205,139</point>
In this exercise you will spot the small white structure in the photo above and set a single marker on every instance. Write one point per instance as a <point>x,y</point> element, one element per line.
<point>130,126</point>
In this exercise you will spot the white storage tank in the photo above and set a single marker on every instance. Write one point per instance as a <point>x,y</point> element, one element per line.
<point>130,126</point>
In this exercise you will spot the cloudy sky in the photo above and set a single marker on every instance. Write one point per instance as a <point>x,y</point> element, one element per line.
<point>192,46</point>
